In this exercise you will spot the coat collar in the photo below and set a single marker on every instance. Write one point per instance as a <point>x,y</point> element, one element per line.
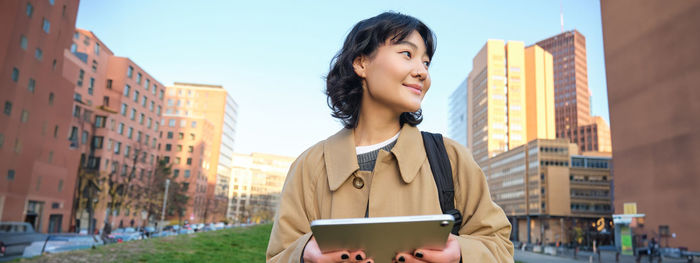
<point>341,160</point>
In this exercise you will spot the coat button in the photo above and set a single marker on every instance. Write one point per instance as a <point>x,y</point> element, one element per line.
<point>358,182</point>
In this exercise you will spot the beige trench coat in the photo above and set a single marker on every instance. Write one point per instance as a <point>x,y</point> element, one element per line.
<point>321,184</point>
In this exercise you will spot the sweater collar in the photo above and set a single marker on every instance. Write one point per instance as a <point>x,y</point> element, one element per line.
<point>341,160</point>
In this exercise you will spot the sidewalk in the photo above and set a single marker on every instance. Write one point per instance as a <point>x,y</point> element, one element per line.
<point>532,257</point>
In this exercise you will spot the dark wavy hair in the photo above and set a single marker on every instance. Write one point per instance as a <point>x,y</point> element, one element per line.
<point>344,86</point>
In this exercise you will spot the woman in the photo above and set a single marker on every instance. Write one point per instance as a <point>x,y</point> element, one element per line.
<point>376,165</point>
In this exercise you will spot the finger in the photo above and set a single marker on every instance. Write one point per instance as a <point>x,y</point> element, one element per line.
<point>357,256</point>
<point>406,258</point>
<point>335,256</point>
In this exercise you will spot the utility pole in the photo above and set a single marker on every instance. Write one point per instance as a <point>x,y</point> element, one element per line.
<point>165,203</point>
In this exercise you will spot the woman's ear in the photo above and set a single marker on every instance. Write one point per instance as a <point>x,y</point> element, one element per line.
<point>360,66</point>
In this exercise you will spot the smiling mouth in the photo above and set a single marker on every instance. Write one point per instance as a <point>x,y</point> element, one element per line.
<point>415,88</point>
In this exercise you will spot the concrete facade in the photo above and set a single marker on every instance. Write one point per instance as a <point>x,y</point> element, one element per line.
<point>653,70</point>
<point>37,166</point>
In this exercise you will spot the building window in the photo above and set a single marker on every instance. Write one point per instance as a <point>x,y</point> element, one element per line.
<point>46,26</point>
<point>187,174</point>
<point>55,131</point>
<point>168,147</point>
<point>132,116</point>
<point>130,72</point>
<point>105,101</point>
<point>10,174</point>
<point>176,173</point>
<point>31,85</point>
<point>97,49</point>
<point>97,142</point>
<point>171,122</point>
<point>25,116</point>
<point>160,95</point>
<point>141,117</point>
<point>130,132</point>
<point>53,65</point>
<point>30,10</point>
<point>179,148</point>
<point>8,108</point>
<point>117,147</point>
<point>143,101</point>
<point>170,135</point>
<point>159,109</point>
<point>100,121</point>
<point>192,136</point>
<point>180,136</point>
<point>127,149</point>
<point>177,160</point>
<point>109,84</point>
<point>23,42</point>
<point>80,78</point>
<point>15,74</point>
<point>190,149</point>
<point>189,161</point>
<point>38,54</point>
<point>124,109</point>
<point>127,90</point>
<point>91,86</point>
<point>136,96</point>
<point>121,128</point>
<point>138,78</point>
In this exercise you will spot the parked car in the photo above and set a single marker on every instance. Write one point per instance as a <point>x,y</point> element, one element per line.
<point>56,243</point>
<point>163,233</point>
<point>125,234</point>
<point>14,237</point>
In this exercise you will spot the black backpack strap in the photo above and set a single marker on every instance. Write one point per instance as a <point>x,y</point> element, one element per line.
<point>442,173</point>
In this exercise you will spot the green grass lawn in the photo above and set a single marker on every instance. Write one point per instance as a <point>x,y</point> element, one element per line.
<point>230,245</point>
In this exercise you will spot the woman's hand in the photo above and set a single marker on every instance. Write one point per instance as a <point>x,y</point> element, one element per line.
<point>312,254</point>
<point>450,254</point>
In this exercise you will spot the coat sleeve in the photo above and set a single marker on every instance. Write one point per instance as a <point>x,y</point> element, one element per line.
<point>291,230</point>
<point>484,235</point>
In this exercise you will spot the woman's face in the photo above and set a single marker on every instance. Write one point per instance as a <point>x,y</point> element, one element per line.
<point>396,75</point>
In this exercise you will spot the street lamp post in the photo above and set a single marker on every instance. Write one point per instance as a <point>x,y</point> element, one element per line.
<point>165,203</point>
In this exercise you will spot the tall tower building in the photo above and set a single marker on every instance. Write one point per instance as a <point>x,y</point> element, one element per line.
<point>457,120</point>
<point>497,92</point>
<point>571,94</point>
<point>37,165</point>
<point>213,103</point>
<point>539,93</point>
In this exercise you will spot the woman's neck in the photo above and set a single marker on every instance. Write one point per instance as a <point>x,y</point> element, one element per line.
<point>376,125</point>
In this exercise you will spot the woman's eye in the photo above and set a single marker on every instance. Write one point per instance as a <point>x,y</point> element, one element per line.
<point>426,63</point>
<point>407,53</point>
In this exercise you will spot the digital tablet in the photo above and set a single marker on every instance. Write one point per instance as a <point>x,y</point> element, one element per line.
<point>382,237</point>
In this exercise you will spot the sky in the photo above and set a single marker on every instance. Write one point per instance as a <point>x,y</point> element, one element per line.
<point>271,56</point>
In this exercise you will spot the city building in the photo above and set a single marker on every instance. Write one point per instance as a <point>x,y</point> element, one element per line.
<point>257,181</point>
<point>548,191</point>
<point>186,142</point>
<point>497,92</point>
<point>37,165</point>
<point>457,117</point>
<point>115,123</point>
<point>539,94</point>
<point>215,104</point>
<point>572,98</point>
<point>651,58</point>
